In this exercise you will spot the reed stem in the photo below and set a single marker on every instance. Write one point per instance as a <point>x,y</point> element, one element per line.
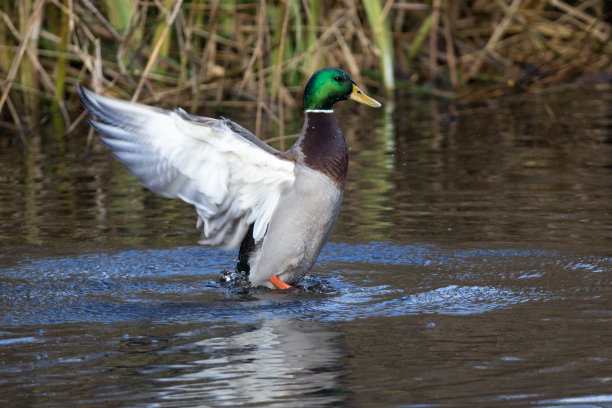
<point>258,55</point>
<point>382,36</point>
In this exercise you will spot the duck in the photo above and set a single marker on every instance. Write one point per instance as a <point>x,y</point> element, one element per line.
<point>278,208</point>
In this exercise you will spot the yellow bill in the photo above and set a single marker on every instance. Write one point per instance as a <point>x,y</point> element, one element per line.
<point>360,97</point>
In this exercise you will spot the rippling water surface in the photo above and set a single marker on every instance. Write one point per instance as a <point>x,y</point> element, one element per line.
<point>471,266</point>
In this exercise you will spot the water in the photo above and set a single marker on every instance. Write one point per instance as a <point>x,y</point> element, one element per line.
<point>471,266</point>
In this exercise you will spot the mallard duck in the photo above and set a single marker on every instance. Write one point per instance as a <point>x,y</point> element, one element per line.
<point>279,207</point>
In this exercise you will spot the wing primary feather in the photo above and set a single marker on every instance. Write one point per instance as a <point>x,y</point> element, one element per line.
<point>230,176</point>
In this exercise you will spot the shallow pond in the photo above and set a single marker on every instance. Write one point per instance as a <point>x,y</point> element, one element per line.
<point>471,266</point>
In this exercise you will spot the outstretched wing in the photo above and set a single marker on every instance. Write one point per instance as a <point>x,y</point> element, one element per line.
<point>233,179</point>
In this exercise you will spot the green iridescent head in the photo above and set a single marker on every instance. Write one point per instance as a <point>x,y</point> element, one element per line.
<point>330,85</point>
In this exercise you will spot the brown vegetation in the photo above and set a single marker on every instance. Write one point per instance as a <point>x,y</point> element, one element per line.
<point>258,54</point>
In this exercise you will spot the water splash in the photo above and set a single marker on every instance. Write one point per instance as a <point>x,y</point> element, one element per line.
<point>350,282</point>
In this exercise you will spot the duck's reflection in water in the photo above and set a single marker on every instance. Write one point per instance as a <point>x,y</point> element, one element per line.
<point>279,363</point>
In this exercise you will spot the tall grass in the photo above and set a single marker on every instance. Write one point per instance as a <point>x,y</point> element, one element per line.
<point>258,54</point>
<point>377,16</point>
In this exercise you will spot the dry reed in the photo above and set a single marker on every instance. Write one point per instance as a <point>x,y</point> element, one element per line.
<point>203,54</point>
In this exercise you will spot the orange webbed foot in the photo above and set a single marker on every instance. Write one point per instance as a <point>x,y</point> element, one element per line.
<point>279,283</point>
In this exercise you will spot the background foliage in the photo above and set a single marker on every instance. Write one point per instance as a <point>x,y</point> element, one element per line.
<point>258,54</point>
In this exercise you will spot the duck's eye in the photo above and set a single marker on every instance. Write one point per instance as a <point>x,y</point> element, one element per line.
<point>338,79</point>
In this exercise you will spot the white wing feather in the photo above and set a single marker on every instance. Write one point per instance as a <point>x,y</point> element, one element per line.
<point>231,181</point>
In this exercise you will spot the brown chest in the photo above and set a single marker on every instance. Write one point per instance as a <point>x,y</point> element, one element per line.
<point>323,146</point>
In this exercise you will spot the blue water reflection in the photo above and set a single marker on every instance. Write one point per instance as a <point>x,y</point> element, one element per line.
<point>351,281</point>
